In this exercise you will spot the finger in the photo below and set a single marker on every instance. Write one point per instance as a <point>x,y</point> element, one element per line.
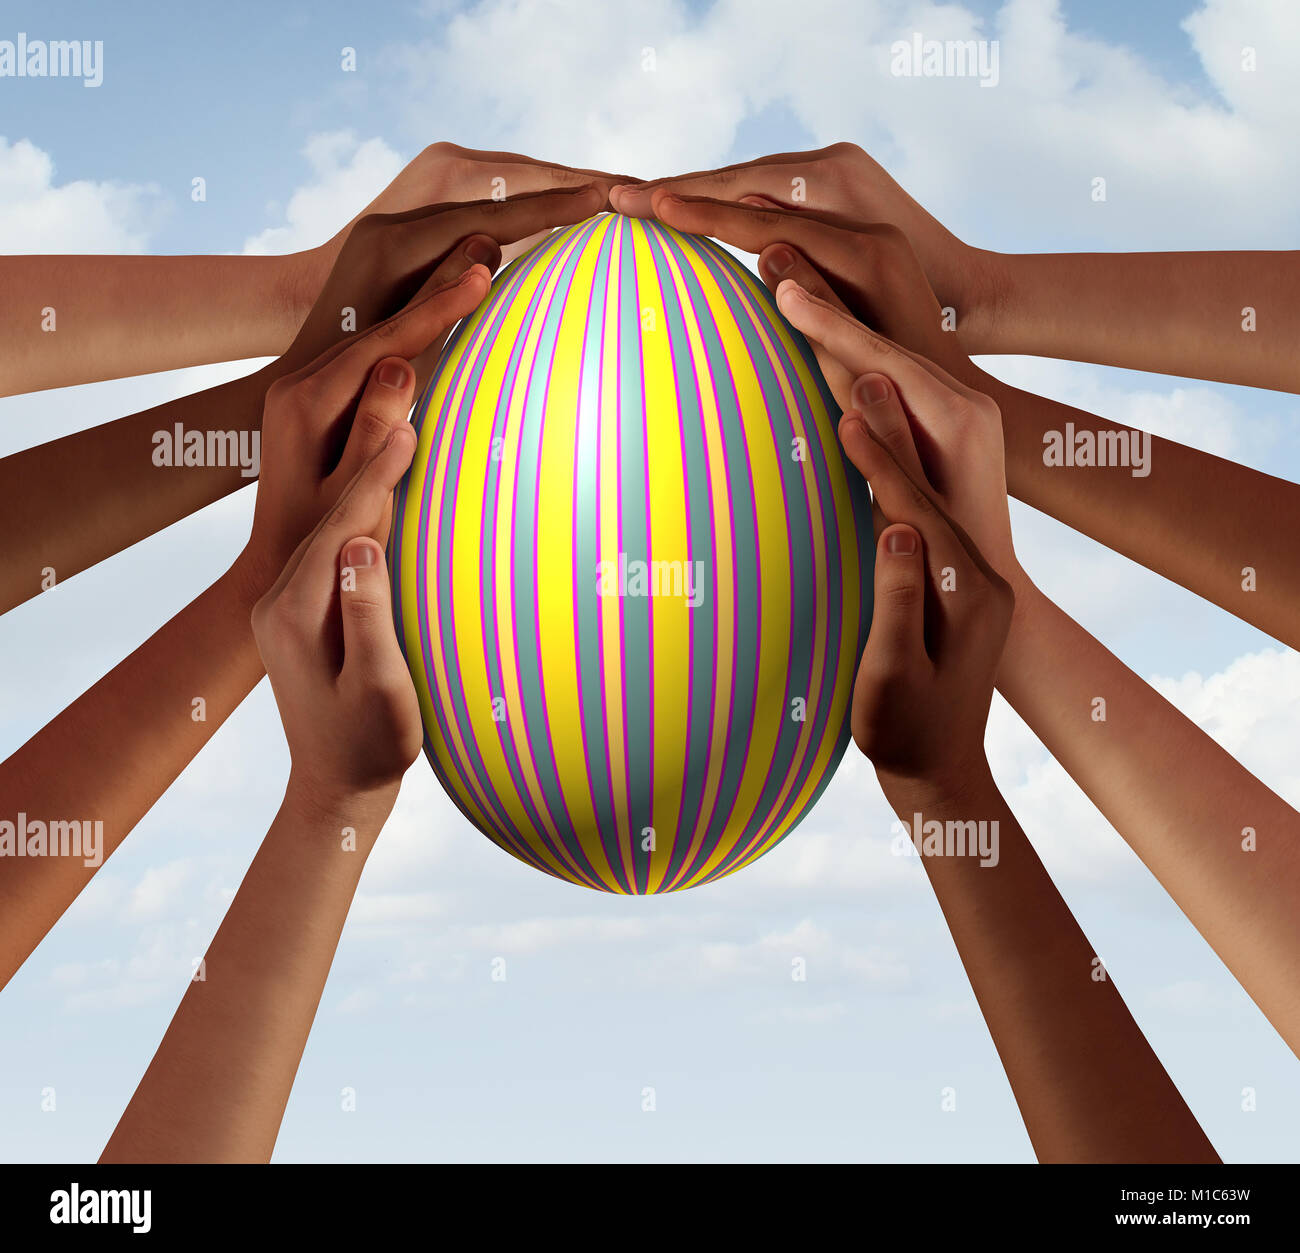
<point>385,401</point>
<point>901,497</point>
<point>862,351</point>
<point>424,322</point>
<point>410,245</point>
<point>476,250</point>
<point>897,636</point>
<point>524,173</point>
<point>764,202</point>
<point>780,261</point>
<point>361,508</point>
<point>370,643</point>
<point>753,222</point>
<point>875,398</point>
<point>768,176</point>
<point>871,267</point>
<point>777,262</point>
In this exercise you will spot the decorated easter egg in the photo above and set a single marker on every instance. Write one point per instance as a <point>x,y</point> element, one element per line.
<point>631,567</point>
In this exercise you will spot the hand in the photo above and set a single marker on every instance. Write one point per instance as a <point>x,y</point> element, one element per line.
<point>845,181</point>
<point>940,619</point>
<point>325,632</point>
<point>323,422</point>
<point>870,271</point>
<point>445,173</point>
<point>942,432</point>
<point>388,256</point>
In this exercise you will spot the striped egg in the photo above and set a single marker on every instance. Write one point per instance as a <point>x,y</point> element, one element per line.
<point>632,569</point>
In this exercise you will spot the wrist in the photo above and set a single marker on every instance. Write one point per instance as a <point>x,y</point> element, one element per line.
<point>298,283</point>
<point>253,573</point>
<point>985,300</point>
<point>334,811</point>
<point>958,791</point>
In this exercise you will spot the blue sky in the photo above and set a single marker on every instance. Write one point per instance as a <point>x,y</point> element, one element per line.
<point>689,994</point>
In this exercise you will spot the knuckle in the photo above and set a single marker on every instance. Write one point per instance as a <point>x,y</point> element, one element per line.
<point>902,595</point>
<point>958,408</point>
<point>303,397</point>
<point>387,331</point>
<point>370,425</point>
<point>889,238</point>
<point>282,619</point>
<point>843,149</point>
<point>277,395</point>
<point>364,606</point>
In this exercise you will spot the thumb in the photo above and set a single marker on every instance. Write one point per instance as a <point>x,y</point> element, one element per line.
<point>897,637</point>
<point>369,638</point>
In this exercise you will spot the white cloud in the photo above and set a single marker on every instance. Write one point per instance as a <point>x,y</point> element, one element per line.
<point>1250,709</point>
<point>346,175</point>
<point>160,887</point>
<point>39,214</point>
<point>1068,107</point>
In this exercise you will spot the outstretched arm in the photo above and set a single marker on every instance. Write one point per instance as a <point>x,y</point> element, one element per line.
<point>77,319</point>
<point>216,1089</point>
<point>118,747</point>
<point>1089,1086</point>
<point>1225,847</point>
<point>76,500</point>
<point>1227,316</point>
<point>1222,530</point>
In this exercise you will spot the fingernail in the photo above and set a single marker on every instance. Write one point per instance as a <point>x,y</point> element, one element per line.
<point>792,289</point>
<point>901,543</point>
<point>670,198</point>
<point>480,252</point>
<point>356,554</point>
<point>780,260</point>
<point>393,374</point>
<point>870,390</point>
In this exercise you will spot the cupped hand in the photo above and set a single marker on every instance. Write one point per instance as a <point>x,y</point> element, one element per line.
<point>844,180</point>
<point>323,422</point>
<point>387,257</point>
<point>325,632</point>
<point>939,622</point>
<point>868,269</point>
<point>444,173</point>
<point>939,429</point>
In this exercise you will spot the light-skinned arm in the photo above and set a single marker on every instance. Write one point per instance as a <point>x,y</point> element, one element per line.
<point>73,501</point>
<point>111,753</point>
<point>1225,316</point>
<point>1223,845</point>
<point>217,1087</point>
<point>1222,530</point>
<point>1089,1086</point>
<point>70,319</point>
